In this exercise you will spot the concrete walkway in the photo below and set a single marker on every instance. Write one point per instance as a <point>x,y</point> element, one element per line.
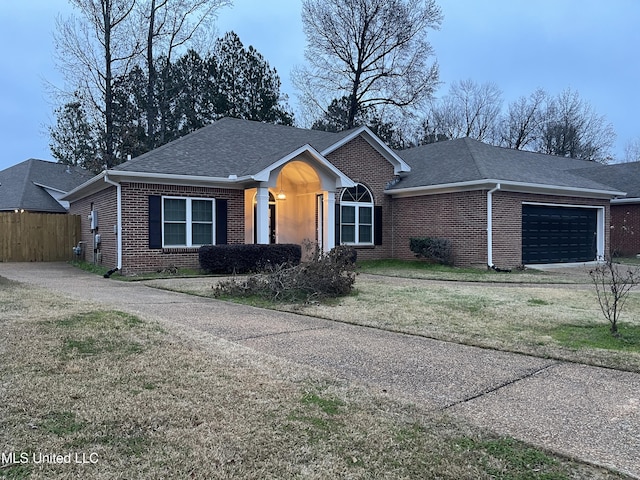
<point>589,413</point>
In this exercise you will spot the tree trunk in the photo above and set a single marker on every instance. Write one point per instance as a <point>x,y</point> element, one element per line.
<point>152,75</point>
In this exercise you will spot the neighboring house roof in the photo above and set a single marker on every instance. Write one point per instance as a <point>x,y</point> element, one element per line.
<point>36,185</point>
<point>466,162</point>
<point>623,176</point>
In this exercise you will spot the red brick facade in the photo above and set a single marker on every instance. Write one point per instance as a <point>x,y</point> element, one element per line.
<point>625,229</point>
<point>460,217</point>
<point>136,255</point>
<point>363,164</point>
<point>105,204</point>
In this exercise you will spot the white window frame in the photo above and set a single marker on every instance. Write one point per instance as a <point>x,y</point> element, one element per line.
<point>357,206</point>
<point>189,221</point>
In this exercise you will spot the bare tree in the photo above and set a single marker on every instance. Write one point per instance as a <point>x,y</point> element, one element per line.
<point>522,124</point>
<point>613,283</point>
<point>108,38</point>
<point>92,50</point>
<point>632,151</point>
<point>469,110</point>
<point>572,128</point>
<point>171,24</point>
<point>374,52</point>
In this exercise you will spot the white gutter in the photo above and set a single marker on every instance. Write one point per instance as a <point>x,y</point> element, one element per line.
<point>119,216</point>
<point>92,186</point>
<point>490,224</point>
<point>230,180</point>
<point>523,187</point>
<point>617,201</point>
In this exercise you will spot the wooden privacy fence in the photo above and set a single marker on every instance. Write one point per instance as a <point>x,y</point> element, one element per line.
<point>38,237</point>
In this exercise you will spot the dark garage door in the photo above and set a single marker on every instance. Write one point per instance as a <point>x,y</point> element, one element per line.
<point>558,234</point>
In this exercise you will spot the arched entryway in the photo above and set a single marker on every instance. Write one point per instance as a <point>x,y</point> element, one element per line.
<point>296,191</point>
<point>293,201</point>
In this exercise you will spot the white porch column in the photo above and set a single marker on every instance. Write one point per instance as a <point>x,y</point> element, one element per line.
<point>329,230</point>
<point>262,214</point>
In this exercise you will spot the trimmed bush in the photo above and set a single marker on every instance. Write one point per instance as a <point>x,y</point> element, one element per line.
<point>436,250</point>
<point>227,259</point>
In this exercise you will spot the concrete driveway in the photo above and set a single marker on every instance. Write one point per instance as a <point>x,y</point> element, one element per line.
<point>589,413</point>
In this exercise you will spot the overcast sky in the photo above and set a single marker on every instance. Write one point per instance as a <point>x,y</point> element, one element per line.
<point>589,46</point>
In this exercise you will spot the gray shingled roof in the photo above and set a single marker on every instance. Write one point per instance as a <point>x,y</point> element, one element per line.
<point>21,186</point>
<point>229,147</point>
<point>623,176</point>
<point>468,160</point>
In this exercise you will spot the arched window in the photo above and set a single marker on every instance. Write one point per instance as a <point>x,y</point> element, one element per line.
<point>356,216</point>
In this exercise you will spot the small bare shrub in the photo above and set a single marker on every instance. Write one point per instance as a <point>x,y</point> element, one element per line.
<point>437,250</point>
<point>325,275</point>
<point>613,282</point>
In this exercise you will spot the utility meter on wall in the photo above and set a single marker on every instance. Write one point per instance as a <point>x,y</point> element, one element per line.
<point>93,219</point>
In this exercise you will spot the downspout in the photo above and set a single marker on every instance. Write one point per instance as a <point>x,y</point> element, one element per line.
<point>490,225</point>
<point>119,221</point>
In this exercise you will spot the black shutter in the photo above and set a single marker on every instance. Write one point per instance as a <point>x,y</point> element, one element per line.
<point>155,221</point>
<point>377,225</point>
<point>337,223</point>
<point>221,222</point>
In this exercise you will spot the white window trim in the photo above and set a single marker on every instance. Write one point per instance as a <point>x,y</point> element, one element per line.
<point>357,206</point>
<point>189,221</point>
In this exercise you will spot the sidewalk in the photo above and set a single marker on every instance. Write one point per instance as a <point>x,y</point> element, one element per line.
<point>589,413</point>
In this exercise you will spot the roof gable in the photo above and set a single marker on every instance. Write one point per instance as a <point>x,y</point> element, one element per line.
<point>24,185</point>
<point>232,147</point>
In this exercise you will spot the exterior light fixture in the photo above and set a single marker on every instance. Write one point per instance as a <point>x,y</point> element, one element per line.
<point>281,195</point>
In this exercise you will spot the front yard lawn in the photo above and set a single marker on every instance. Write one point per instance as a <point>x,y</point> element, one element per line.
<point>530,318</point>
<point>134,399</point>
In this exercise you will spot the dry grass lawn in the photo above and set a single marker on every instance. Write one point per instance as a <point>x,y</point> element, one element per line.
<point>142,401</point>
<point>525,318</point>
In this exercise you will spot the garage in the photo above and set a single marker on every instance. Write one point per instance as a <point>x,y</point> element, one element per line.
<point>556,234</point>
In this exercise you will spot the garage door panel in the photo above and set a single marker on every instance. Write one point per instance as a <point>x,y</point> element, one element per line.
<point>558,234</point>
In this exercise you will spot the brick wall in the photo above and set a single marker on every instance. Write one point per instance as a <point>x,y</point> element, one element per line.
<point>458,217</point>
<point>363,164</point>
<point>461,218</point>
<point>105,203</point>
<point>136,255</point>
<point>625,229</point>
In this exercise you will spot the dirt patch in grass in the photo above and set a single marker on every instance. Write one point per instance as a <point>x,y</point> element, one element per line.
<point>143,401</point>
